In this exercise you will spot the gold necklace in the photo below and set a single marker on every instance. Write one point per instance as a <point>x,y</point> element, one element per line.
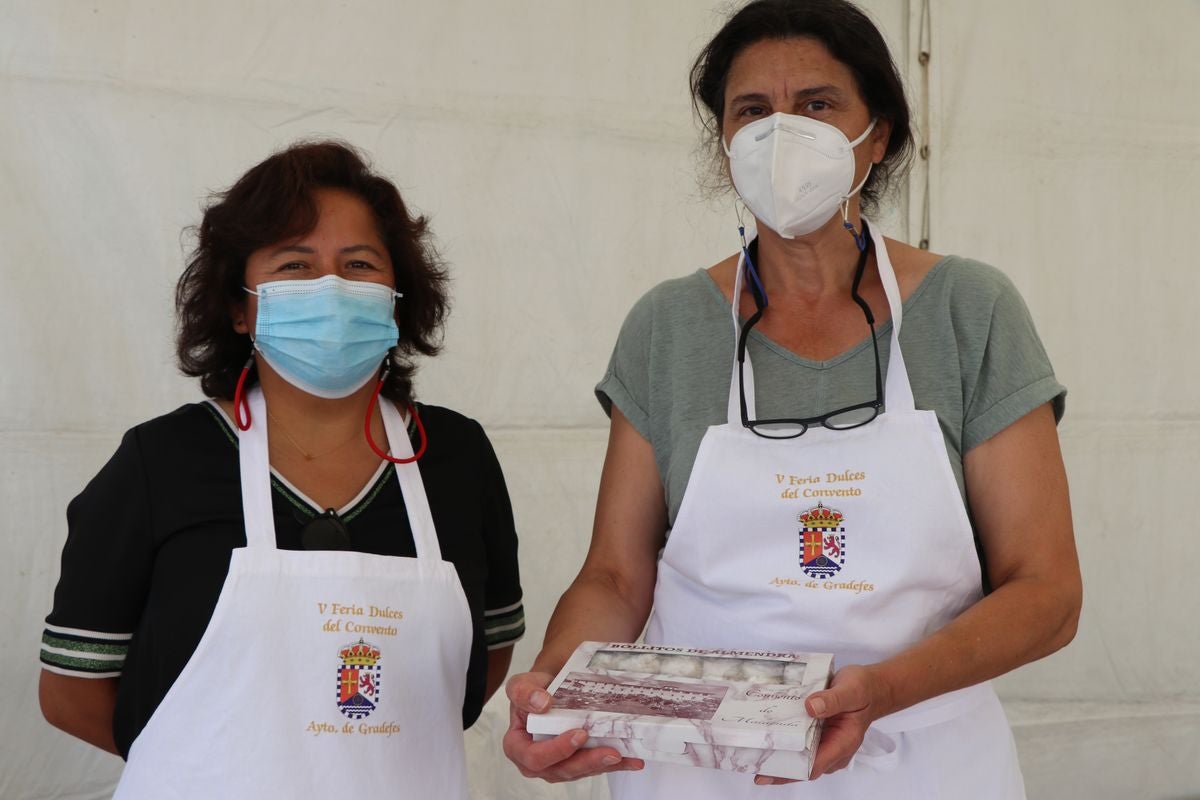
<point>307,455</point>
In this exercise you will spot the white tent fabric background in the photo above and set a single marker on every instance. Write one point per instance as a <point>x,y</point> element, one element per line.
<point>552,143</point>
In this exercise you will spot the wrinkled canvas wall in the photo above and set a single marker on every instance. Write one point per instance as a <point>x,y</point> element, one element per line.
<point>553,146</point>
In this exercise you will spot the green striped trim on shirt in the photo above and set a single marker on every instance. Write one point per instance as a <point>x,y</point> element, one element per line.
<point>82,653</point>
<point>502,627</point>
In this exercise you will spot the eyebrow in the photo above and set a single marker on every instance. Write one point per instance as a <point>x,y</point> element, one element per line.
<point>361,248</point>
<point>298,248</point>
<point>799,94</point>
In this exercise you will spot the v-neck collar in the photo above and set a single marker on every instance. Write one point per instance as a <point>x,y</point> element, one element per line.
<point>297,498</point>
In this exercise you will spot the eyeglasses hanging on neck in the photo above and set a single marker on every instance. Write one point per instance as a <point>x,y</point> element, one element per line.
<point>842,419</point>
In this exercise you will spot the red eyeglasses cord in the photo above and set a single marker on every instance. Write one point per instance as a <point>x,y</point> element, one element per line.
<point>240,403</point>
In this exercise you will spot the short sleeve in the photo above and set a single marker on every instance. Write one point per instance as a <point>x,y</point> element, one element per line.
<point>503,610</point>
<point>1013,375</point>
<point>106,566</point>
<point>626,383</point>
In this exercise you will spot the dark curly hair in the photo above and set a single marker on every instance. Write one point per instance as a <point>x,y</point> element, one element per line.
<point>274,202</point>
<point>851,38</point>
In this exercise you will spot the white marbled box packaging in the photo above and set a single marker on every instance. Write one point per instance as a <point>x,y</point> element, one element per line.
<point>739,710</point>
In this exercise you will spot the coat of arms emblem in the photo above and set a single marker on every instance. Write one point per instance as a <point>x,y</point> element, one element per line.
<point>822,541</point>
<point>359,678</point>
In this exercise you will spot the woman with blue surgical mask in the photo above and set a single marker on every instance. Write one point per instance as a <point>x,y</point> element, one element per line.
<point>281,591</point>
<point>797,434</point>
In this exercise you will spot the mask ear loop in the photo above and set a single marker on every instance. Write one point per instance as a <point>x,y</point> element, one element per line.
<point>860,239</point>
<point>240,401</point>
<point>412,411</point>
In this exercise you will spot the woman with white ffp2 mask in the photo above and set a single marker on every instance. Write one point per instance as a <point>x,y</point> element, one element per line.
<point>794,172</point>
<point>723,442</point>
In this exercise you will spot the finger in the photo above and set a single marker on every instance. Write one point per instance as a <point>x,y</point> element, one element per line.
<point>839,766</point>
<point>769,780</point>
<point>830,761</point>
<point>559,759</point>
<point>540,756</point>
<point>831,768</point>
<point>573,769</point>
<point>517,719</point>
<point>527,691</point>
<point>588,763</point>
<point>824,760</point>
<point>840,740</point>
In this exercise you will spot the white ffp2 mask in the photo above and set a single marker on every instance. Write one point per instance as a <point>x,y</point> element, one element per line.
<point>793,172</point>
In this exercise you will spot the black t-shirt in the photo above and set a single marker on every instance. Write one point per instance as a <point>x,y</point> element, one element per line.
<point>150,539</point>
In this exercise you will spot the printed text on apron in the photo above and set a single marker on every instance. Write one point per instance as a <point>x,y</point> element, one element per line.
<point>321,674</point>
<point>853,542</point>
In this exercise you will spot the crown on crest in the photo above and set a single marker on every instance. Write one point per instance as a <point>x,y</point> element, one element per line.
<point>360,654</point>
<point>820,517</point>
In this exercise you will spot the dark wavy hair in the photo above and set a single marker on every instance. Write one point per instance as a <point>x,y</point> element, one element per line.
<point>851,38</point>
<point>274,202</point>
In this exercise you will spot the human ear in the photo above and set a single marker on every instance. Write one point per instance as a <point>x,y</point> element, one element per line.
<point>237,313</point>
<point>239,310</point>
<point>880,137</point>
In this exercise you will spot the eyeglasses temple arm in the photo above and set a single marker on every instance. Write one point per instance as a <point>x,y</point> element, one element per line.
<point>858,275</point>
<point>741,357</point>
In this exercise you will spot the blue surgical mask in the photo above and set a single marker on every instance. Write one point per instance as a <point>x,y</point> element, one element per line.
<point>326,336</point>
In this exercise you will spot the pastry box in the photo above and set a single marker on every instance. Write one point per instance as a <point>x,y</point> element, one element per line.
<point>739,710</point>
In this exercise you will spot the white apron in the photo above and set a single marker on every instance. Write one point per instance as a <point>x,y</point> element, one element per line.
<point>321,674</point>
<point>852,542</point>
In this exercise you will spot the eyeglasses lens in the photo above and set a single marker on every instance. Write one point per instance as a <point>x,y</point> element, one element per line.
<point>851,418</point>
<point>779,430</point>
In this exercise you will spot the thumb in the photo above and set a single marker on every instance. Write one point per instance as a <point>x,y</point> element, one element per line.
<point>527,691</point>
<point>821,704</point>
<point>846,696</point>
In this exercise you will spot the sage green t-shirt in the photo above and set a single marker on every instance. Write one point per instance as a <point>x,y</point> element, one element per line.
<point>972,353</point>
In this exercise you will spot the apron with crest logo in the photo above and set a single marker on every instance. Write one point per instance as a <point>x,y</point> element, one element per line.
<point>854,542</point>
<point>320,674</point>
